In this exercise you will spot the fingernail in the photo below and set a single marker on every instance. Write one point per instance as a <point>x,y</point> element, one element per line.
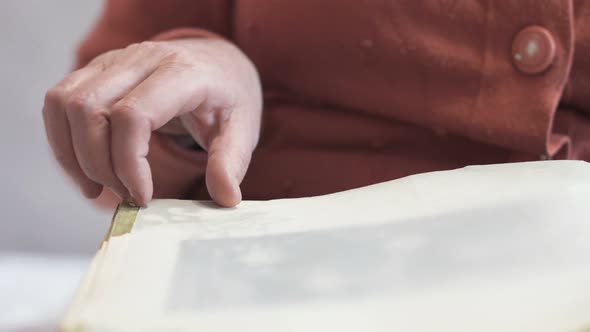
<point>135,201</point>
<point>131,203</point>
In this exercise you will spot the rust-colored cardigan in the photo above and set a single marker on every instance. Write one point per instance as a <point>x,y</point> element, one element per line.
<point>359,92</point>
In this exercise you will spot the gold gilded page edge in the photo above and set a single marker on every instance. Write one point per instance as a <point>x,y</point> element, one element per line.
<point>121,223</point>
<point>123,220</point>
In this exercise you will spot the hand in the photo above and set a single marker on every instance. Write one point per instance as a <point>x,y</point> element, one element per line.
<point>99,118</point>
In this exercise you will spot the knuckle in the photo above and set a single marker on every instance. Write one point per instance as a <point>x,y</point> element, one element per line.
<point>55,95</point>
<point>180,56</point>
<point>82,107</point>
<point>80,102</point>
<point>179,59</point>
<point>148,44</point>
<point>102,59</point>
<point>145,47</point>
<point>127,111</point>
<point>125,108</point>
<point>133,47</point>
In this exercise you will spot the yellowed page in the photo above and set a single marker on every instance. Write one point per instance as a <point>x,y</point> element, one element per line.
<point>489,248</point>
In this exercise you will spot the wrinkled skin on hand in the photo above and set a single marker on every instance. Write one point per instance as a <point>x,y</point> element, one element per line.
<point>99,118</point>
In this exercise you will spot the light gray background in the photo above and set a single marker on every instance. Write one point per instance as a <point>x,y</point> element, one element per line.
<point>40,210</point>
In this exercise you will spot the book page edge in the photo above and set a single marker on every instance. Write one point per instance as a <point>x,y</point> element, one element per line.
<point>122,223</point>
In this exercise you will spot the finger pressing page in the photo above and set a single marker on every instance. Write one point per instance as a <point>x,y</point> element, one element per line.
<point>150,105</point>
<point>88,112</point>
<point>229,155</point>
<point>58,130</point>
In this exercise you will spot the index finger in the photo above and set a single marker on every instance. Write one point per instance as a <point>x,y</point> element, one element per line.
<point>158,99</point>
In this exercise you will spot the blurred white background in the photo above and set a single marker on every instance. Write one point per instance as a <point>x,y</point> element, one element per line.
<point>48,232</point>
<point>41,211</point>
